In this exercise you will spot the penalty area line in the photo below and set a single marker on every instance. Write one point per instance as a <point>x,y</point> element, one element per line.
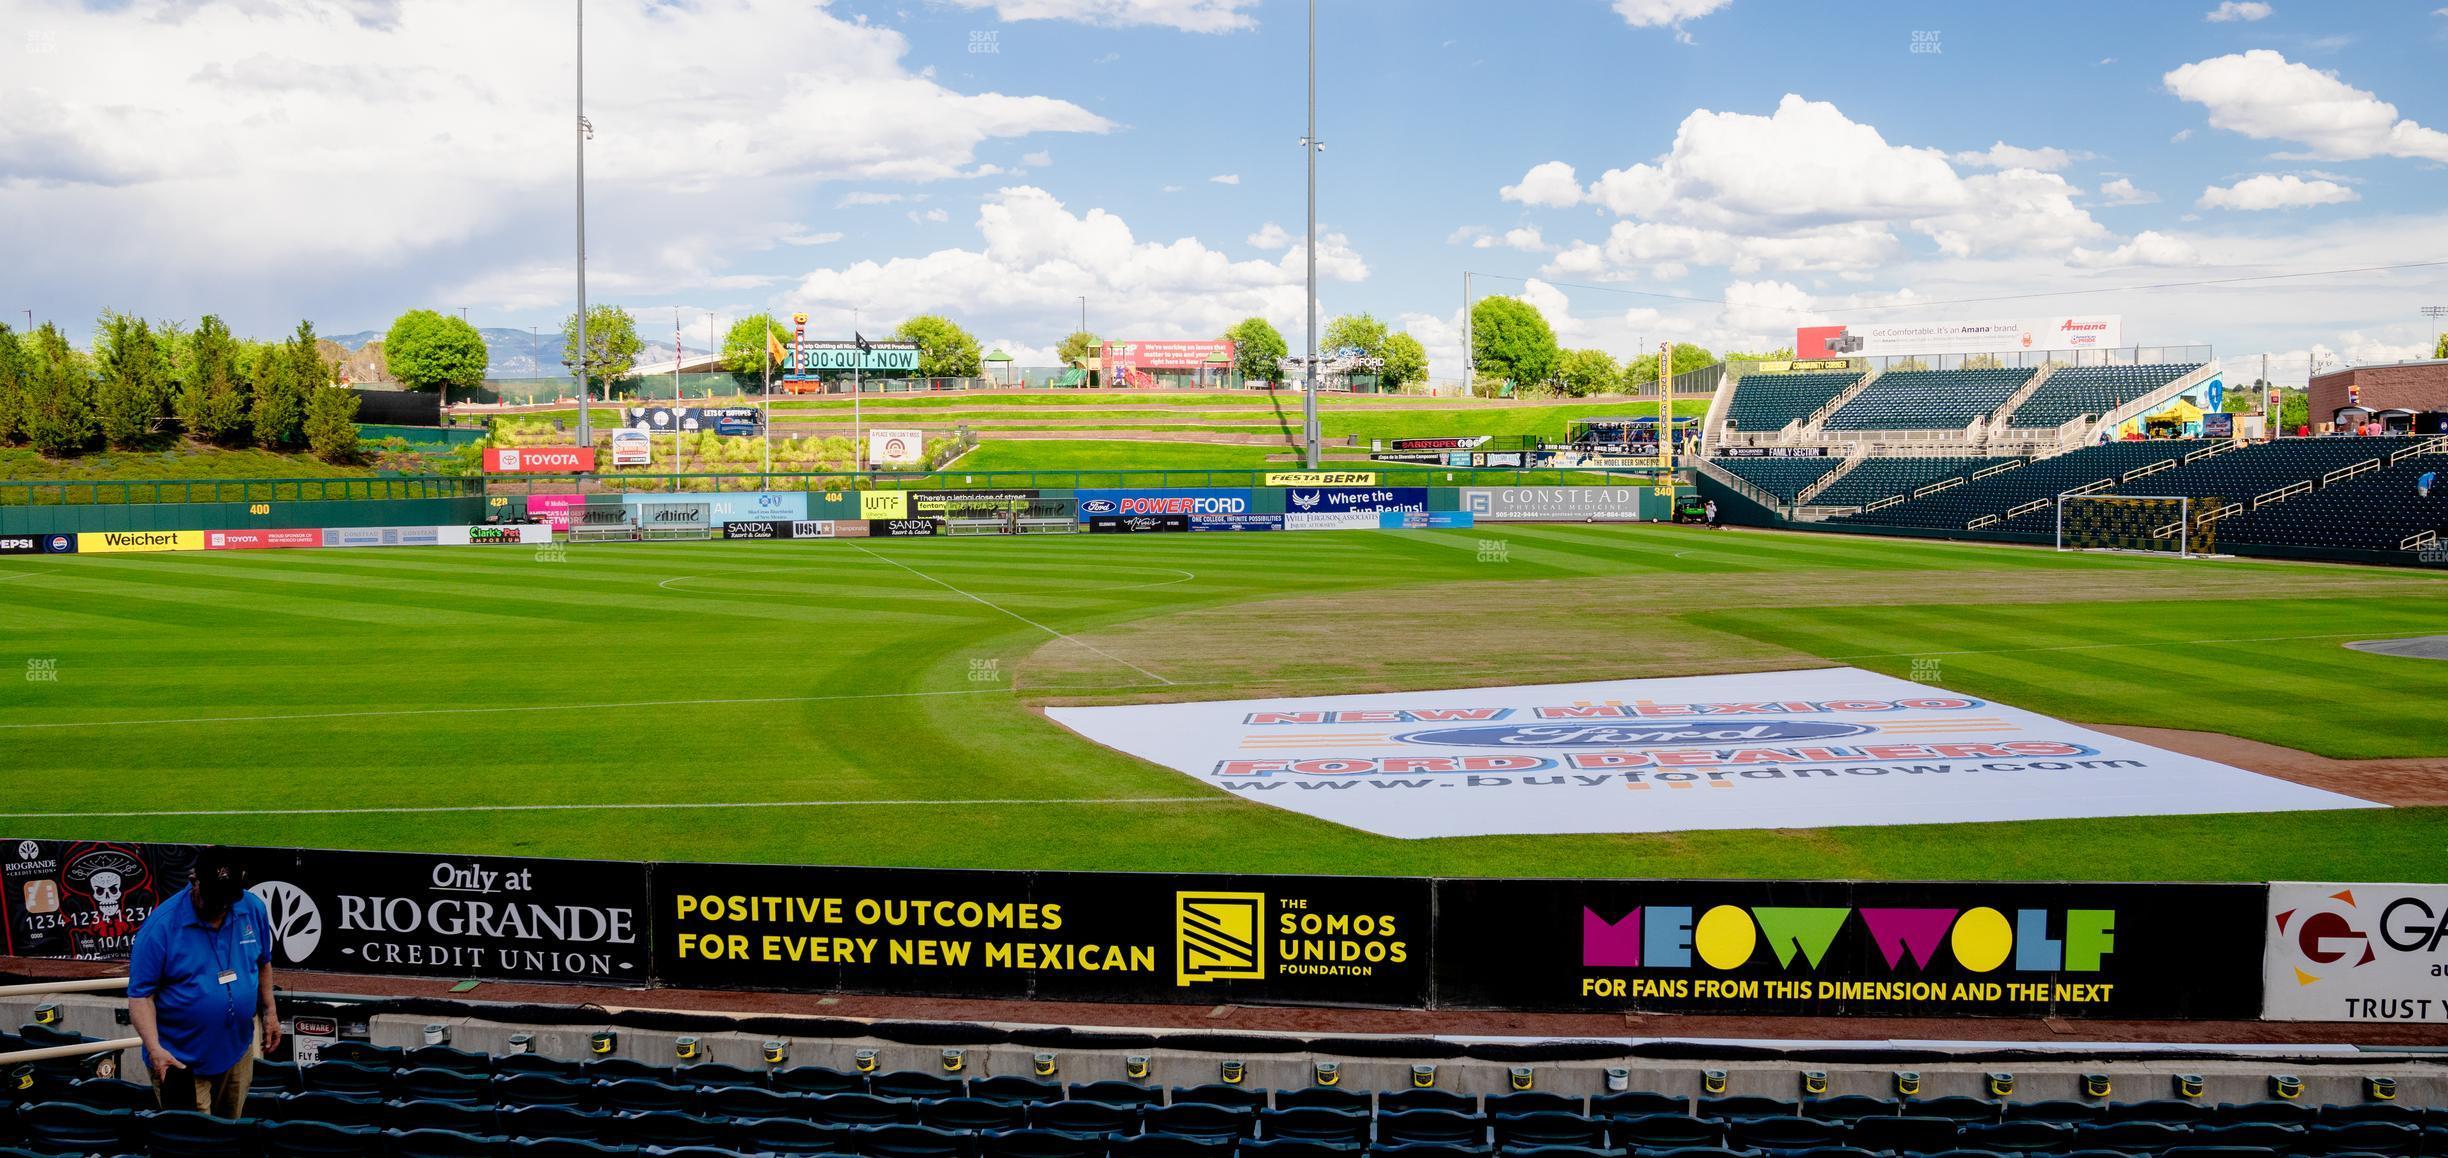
<point>990,605</point>
<point>635,807</point>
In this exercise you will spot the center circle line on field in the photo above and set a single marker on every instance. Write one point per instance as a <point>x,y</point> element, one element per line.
<point>502,709</point>
<point>650,806</point>
<point>987,603</point>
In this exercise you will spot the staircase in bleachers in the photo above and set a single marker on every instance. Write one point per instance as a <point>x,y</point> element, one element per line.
<point>1765,404</point>
<point>1879,478</point>
<point>2236,476</point>
<point>2076,391</point>
<point>1784,478</point>
<point>2042,479</point>
<point>437,1102</point>
<point>2378,509</point>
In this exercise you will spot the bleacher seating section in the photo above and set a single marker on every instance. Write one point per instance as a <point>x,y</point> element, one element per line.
<point>1782,477</point>
<point>1929,399</point>
<point>437,1102</point>
<point>2374,511</point>
<point>2092,390</point>
<point>2238,475</point>
<point>2042,478</point>
<point>1877,478</point>
<point>1765,403</point>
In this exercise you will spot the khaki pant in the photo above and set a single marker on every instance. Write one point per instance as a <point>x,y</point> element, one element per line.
<point>221,1095</point>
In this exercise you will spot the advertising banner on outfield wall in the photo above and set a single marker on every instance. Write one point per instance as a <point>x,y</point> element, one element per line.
<point>1553,504</point>
<point>119,542</point>
<point>1337,500</point>
<point>555,509</point>
<point>540,460</point>
<point>2356,952</point>
<point>84,900</point>
<point>262,540</point>
<point>20,545</point>
<point>1062,936</point>
<point>494,535</point>
<point>1907,949</point>
<point>767,506</point>
<point>1099,503</point>
<point>381,536</point>
<point>1137,524</point>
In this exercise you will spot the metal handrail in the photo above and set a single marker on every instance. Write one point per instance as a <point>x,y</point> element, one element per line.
<point>83,985</point>
<point>73,1049</point>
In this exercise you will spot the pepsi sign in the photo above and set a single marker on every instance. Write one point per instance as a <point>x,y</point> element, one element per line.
<point>1641,734</point>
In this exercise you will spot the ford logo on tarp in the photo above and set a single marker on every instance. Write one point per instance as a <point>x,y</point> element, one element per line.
<point>1633,734</point>
<point>1099,506</point>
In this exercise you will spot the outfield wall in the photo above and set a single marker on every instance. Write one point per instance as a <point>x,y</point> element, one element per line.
<point>95,517</point>
<point>1767,948</point>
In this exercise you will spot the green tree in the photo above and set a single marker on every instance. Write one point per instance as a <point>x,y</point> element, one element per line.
<point>285,373</point>
<point>1076,348</point>
<point>59,395</point>
<point>135,367</point>
<point>944,349</point>
<point>745,349</point>
<point>1511,339</point>
<point>2441,350</point>
<point>1258,349</point>
<point>425,350</point>
<point>1780,354</point>
<point>331,423</point>
<point>213,399</point>
<point>1406,361</point>
<point>1361,332</point>
<point>1642,371</point>
<point>1586,372</point>
<point>13,371</point>
<point>612,345</point>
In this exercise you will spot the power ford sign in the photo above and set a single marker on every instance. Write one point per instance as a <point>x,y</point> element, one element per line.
<point>1188,501</point>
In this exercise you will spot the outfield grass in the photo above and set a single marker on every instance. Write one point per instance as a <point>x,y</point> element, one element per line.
<point>277,684</point>
<point>21,465</point>
<point>1066,454</point>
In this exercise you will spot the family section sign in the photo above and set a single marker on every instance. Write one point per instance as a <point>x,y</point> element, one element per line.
<point>1800,749</point>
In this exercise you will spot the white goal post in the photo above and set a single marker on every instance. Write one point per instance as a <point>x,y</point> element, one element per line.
<point>2149,523</point>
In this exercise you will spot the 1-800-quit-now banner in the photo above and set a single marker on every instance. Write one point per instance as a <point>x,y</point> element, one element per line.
<point>1759,948</point>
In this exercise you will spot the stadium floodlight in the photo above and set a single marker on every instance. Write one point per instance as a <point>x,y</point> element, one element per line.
<point>1311,146</point>
<point>586,428</point>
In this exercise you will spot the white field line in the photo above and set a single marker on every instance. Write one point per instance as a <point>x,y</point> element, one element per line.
<point>980,600</point>
<point>504,709</point>
<point>641,807</point>
<point>2141,643</point>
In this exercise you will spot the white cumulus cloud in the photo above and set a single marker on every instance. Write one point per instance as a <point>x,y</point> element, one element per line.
<point>2276,191</point>
<point>1187,15</point>
<point>2122,192</point>
<point>2004,156</point>
<point>2230,11</point>
<point>2263,95</point>
<point>2148,247</point>
<point>1552,185</point>
<point>1226,179</point>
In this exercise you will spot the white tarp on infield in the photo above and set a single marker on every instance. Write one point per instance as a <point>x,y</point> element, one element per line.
<point>1798,749</point>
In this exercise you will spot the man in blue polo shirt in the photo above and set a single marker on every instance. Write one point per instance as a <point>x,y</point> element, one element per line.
<point>199,979</point>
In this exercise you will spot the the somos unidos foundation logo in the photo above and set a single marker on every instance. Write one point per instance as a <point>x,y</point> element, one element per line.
<point>1219,937</point>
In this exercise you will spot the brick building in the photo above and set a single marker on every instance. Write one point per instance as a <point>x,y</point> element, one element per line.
<point>2412,395</point>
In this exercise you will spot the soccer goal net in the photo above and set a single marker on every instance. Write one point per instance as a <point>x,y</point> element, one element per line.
<point>2156,523</point>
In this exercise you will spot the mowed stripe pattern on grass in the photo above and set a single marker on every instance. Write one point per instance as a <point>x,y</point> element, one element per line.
<point>804,671</point>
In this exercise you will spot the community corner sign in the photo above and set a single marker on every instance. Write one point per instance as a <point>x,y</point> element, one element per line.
<point>1800,749</point>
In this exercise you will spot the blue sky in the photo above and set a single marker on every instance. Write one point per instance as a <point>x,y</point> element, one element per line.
<point>1783,163</point>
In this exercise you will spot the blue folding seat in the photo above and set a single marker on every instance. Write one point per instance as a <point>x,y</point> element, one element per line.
<point>536,1063</point>
<point>2138,1135</point>
<point>1116,1093</point>
<point>1850,1107</point>
<point>1432,1127</point>
<point>2218,1152</point>
<point>860,1110</point>
<point>1042,1144</point>
<point>1218,1094</point>
<point>114,1094</point>
<point>1340,1128</point>
<point>68,1128</point>
<point>706,1074</point>
<point>563,1148</point>
<point>1784,1134</point>
<point>552,1122</point>
<point>1014,1088</point>
<point>2055,1111</point>
<point>791,1136</point>
<point>905,1141</point>
<point>1924,1134</point>
<point>1835,1152</point>
<point>1396,1101</point>
<point>2249,1135</point>
<point>1664,1132</point>
<point>2393,1112</point>
<point>2272,1111</point>
<point>1697,1152</point>
<point>1079,1117</point>
<point>441,1085</point>
<point>360,1053</point>
<point>542,1089</point>
<point>2018,1136</point>
<point>1527,1102</point>
<point>1296,1148</point>
<point>276,1077</point>
<point>1200,1120</point>
<point>345,1077</point>
<point>638,1096</point>
<point>818,1080</point>
<point>2159,1110</point>
<point>315,1140</point>
<point>666,1128</point>
<point>445,1057</point>
<point>972,1114</point>
<point>1323,1098</point>
<point>463,1117</point>
<point>1953,1108</point>
<point>1630,1103</point>
<point>1168,1146</point>
<point>438,1144</point>
<point>188,1134</point>
<point>1546,1129</point>
<point>613,1069</point>
<point>751,1102</point>
<point>1746,1106</point>
<point>905,1084</point>
<point>2373,1137</point>
<point>321,1106</point>
<point>1385,1149</point>
<point>693,1152</point>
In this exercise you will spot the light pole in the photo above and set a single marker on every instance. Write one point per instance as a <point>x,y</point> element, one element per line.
<point>1312,146</point>
<point>1470,369</point>
<point>2435,313</point>
<point>586,428</point>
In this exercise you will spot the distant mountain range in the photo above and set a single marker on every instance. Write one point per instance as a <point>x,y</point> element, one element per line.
<point>514,353</point>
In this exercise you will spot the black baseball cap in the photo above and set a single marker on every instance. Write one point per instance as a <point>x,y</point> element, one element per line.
<point>218,879</point>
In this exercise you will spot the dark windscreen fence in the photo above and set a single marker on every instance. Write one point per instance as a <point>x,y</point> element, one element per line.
<point>398,407</point>
<point>1765,948</point>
